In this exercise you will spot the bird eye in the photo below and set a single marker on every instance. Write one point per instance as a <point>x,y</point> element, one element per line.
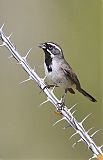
<point>50,46</point>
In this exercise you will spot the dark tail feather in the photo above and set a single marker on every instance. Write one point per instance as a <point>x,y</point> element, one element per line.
<point>87,95</point>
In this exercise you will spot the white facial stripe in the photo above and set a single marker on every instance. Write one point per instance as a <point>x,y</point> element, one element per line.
<point>50,53</point>
<point>55,46</point>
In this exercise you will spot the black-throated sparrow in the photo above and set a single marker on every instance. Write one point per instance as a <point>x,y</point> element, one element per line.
<point>59,71</point>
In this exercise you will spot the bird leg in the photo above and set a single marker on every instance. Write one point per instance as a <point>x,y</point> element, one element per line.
<point>62,103</point>
<point>64,96</point>
<point>49,86</point>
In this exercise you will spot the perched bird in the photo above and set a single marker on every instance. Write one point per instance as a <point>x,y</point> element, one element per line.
<point>59,71</point>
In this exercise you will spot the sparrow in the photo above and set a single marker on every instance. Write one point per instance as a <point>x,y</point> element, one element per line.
<point>60,72</point>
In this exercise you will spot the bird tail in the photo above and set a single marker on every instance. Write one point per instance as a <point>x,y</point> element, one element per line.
<point>87,95</point>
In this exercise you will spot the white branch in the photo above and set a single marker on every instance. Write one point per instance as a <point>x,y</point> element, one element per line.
<point>65,112</point>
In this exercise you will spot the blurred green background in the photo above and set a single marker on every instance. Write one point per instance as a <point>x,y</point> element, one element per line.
<point>26,130</point>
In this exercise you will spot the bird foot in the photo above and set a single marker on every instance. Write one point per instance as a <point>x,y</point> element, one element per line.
<point>48,86</point>
<point>61,105</point>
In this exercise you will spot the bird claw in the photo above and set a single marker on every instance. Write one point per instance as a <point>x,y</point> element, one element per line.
<point>60,106</point>
<point>48,86</point>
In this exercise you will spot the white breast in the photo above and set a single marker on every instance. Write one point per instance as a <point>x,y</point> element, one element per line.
<point>57,75</point>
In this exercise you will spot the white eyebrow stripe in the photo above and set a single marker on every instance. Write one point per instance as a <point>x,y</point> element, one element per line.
<point>55,46</point>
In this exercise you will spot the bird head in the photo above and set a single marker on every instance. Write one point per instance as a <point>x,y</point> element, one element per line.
<point>52,49</point>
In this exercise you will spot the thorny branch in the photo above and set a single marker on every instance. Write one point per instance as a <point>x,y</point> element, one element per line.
<point>66,113</point>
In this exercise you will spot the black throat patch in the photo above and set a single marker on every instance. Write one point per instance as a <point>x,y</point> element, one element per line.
<point>48,61</point>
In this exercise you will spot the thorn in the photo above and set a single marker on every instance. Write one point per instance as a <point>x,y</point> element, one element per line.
<point>72,107</point>
<point>43,79</point>
<point>34,69</point>
<point>15,47</point>
<point>101,146</point>
<point>59,121</point>
<point>26,80</point>
<point>66,127</point>
<point>74,144</point>
<point>52,89</point>
<point>10,36</point>
<point>2,27</point>
<point>25,57</point>
<point>80,140</point>
<point>10,56</point>
<point>89,130</point>
<point>44,102</point>
<point>95,132</point>
<point>74,134</point>
<point>94,156</point>
<point>73,112</point>
<point>3,44</point>
<point>84,119</point>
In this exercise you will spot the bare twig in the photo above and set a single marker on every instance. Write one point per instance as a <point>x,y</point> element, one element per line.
<point>65,112</point>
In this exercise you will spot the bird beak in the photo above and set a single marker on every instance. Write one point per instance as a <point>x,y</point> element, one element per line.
<point>42,45</point>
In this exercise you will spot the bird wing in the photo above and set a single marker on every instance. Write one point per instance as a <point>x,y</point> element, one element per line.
<point>70,74</point>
